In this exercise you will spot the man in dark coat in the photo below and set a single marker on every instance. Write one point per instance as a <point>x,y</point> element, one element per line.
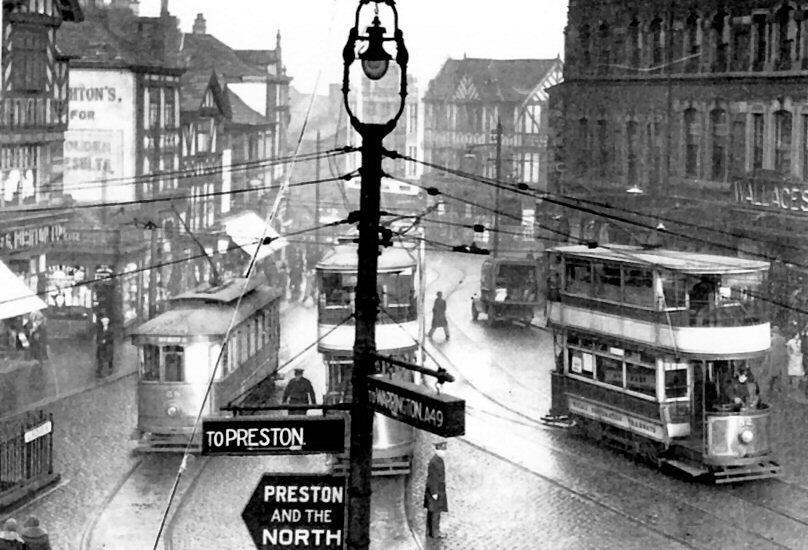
<point>104,348</point>
<point>35,537</point>
<point>10,538</point>
<point>435,500</point>
<point>299,391</point>
<point>439,316</point>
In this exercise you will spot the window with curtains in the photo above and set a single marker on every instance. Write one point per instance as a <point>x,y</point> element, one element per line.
<point>782,142</point>
<point>530,168</point>
<point>785,38</point>
<point>154,108</point>
<point>719,45</point>
<point>691,142</point>
<point>29,59</point>
<point>634,48</point>
<point>657,45</point>
<point>718,133</point>
<point>693,51</point>
<point>740,47</point>
<point>761,35</point>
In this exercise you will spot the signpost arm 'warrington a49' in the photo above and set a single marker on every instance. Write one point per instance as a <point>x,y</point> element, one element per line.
<point>375,60</point>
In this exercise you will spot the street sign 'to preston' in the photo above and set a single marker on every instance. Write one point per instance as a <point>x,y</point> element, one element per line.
<point>273,435</point>
<point>297,511</point>
<point>417,406</point>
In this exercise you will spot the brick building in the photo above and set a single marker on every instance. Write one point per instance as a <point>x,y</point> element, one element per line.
<point>700,109</point>
<point>462,105</point>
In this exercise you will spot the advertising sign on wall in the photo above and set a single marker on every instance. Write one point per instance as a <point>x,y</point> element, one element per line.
<point>100,141</point>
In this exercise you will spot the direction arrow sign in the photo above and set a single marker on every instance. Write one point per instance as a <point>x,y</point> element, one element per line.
<point>297,511</point>
<point>258,435</point>
<point>417,406</point>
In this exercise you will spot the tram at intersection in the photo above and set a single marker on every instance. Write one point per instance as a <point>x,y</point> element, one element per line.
<point>655,353</point>
<point>397,336</point>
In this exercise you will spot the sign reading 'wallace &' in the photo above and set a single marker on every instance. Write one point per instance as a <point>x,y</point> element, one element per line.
<point>273,435</point>
<point>417,406</point>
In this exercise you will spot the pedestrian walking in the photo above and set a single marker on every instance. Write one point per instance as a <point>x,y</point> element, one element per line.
<point>39,341</point>
<point>776,362</point>
<point>104,348</point>
<point>439,316</point>
<point>299,391</point>
<point>10,538</point>
<point>35,537</point>
<point>311,287</point>
<point>435,500</point>
<point>794,354</point>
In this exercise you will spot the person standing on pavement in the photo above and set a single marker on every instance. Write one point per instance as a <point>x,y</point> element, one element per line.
<point>299,391</point>
<point>435,500</point>
<point>777,362</point>
<point>35,537</point>
<point>794,353</point>
<point>439,316</point>
<point>104,348</point>
<point>10,538</point>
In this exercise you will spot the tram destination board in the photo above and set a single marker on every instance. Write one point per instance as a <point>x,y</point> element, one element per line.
<point>417,406</point>
<point>261,435</point>
<point>297,511</point>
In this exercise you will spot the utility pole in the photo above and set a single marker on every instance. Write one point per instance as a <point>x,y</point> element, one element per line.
<point>153,245</point>
<point>317,194</point>
<point>366,312</point>
<point>497,190</point>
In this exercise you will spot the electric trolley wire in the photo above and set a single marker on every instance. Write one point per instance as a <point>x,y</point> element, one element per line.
<point>81,206</point>
<point>558,199</point>
<point>188,173</point>
<point>270,216</point>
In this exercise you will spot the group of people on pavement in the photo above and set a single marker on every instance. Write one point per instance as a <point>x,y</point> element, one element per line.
<point>295,277</point>
<point>31,536</point>
<point>787,362</point>
<point>28,335</point>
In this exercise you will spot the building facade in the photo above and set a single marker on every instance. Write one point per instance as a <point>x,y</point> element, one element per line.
<point>462,106</point>
<point>34,107</point>
<point>701,110</point>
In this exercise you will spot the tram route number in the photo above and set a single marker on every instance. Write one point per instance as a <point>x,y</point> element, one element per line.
<point>273,435</point>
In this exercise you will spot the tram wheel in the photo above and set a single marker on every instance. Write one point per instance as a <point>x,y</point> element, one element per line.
<point>649,451</point>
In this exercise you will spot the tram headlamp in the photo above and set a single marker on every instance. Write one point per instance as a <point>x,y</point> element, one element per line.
<point>746,436</point>
<point>172,411</point>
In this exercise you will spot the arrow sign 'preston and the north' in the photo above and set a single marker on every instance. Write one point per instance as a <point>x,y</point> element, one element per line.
<point>297,511</point>
<point>273,435</point>
<point>417,406</point>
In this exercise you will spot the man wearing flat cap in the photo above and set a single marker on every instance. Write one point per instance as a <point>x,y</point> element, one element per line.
<point>435,500</point>
<point>299,392</point>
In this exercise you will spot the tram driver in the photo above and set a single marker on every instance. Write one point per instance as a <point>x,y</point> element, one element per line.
<point>741,391</point>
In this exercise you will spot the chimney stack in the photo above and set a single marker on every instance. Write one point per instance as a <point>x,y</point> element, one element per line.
<point>163,8</point>
<point>200,27</point>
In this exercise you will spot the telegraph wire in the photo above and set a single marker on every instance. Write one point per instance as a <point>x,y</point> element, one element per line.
<point>187,173</point>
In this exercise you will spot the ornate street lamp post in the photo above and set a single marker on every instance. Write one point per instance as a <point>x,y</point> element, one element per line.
<point>375,60</point>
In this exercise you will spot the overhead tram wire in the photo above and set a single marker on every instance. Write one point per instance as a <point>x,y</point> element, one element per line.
<point>83,206</point>
<point>554,199</point>
<point>269,218</point>
<point>600,214</point>
<point>187,173</point>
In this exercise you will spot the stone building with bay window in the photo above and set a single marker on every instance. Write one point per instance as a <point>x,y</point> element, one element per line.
<point>693,114</point>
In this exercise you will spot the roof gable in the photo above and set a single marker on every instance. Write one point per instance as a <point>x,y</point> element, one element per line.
<point>493,80</point>
<point>204,51</point>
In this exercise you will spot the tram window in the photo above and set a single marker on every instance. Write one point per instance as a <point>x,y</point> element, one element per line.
<point>606,284</point>
<point>676,383</point>
<point>638,287</point>
<point>641,379</point>
<point>576,362</point>
<point>578,277</point>
<point>174,359</point>
<point>609,371</point>
<point>674,290</point>
<point>150,363</point>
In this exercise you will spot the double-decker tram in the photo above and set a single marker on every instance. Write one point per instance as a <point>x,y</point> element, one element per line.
<point>179,348</point>
<point>397,334</point>
<point>656,352</point>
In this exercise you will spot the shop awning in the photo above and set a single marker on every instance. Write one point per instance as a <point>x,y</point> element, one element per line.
<point>247,229</point>
<point>15,297</point>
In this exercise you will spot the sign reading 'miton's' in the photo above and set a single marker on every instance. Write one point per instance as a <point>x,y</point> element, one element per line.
<point>417,406</point>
